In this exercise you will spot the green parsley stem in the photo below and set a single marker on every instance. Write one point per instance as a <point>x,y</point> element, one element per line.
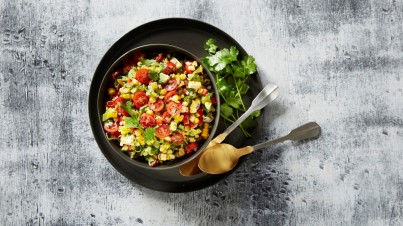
<point>239,94</point>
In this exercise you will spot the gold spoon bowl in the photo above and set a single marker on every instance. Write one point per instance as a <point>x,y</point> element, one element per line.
<point>221,158</point>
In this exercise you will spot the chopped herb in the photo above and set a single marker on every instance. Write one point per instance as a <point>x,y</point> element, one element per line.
<point>149,135</point>
<point>132,122</point>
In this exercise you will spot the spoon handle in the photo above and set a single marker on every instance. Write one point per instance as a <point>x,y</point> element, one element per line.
<point>306,131</point>
<point>267,95</point>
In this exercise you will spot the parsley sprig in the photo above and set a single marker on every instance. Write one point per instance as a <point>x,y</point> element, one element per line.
<point>231,77</point>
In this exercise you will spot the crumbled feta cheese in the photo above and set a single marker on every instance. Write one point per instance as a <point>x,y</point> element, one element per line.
<point>194,85</point>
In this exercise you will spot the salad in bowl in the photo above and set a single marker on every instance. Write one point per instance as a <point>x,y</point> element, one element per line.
<point>160,105</point>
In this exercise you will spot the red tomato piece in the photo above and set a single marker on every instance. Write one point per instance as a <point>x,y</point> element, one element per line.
<point>186,119</point>
<point>177,138</point>
<point>157,106</point>
<point>174,108</point>
<point>162,131</point>
<point>213,100</point>
<point>188,71</point>
<point>166,117</point>
<point>123,112</point>
<point>159,58</point>
<point>170,68</point>
<point>171,85</point>
<point>111,127</point>
<point>191,147</point>
<point>200,111</point>
<point>140,99</point>
<point>204,92</point>
<point>119,100</point>
<point>147,120</point>
<point>142,76</point>
<point>169,95</point>
<point>110,104</point>
<point>159,120</point>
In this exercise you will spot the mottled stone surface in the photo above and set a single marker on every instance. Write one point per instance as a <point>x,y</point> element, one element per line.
<point>337,62</point>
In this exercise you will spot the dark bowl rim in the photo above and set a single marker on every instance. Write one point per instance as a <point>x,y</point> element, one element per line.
<point>184,160</point>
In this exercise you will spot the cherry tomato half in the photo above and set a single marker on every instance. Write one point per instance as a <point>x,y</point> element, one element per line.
<point>170,68</point>
<point>142,76</point>
<point>171,85</point>
<point>177,138</point>
<point>111,127</point>
<point>157,106</point>
<point>162,131</point>
<point>166,117</point>
<point>169,95</point>
<point>174,108</point>
<point>140,99</point>
<point>147,120</point>
<point>191,148</point>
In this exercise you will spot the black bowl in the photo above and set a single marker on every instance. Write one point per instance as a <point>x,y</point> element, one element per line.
<point>179,53</point>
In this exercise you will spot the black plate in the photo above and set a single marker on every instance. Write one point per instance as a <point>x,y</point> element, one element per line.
<point>190,35</point>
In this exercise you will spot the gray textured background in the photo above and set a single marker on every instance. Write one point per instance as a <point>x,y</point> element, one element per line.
<point>337,62</point>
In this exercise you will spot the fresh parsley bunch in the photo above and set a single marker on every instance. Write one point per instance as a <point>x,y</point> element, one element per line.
<point>231,76</point>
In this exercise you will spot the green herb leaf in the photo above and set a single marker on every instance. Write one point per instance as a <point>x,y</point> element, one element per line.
<point>147,62</point>
<point>249,65</point>
<point>223,86</point>
<point>242,87</point>
<point>226,110</point>
<point>234,101</point>
<point>154,75</point>
<point>256,113</point>
<point>128,108</point>
<point>154,150</point>
<point>149,134</point>
<point>211,46</point>
<point>132,122</point>
<point>222,58</point>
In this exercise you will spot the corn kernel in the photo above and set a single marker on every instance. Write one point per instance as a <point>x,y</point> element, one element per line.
<point>178,118</point>
<point>170,151</point>
<point>180,153</point>
<point>171,156</point>
<point>151,100</point>
<point>150,112</point>
<point>196,120</point>
<point>163,92</point>
<point>191,68</point>
<point>182,77</point>
<point>126,96</point>
<point>111,91</point>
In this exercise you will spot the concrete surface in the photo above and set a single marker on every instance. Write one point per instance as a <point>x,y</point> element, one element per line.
<point>337,62</point>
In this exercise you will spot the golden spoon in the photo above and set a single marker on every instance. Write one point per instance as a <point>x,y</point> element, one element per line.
<point>267,95</point>
<point>222,158</point>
